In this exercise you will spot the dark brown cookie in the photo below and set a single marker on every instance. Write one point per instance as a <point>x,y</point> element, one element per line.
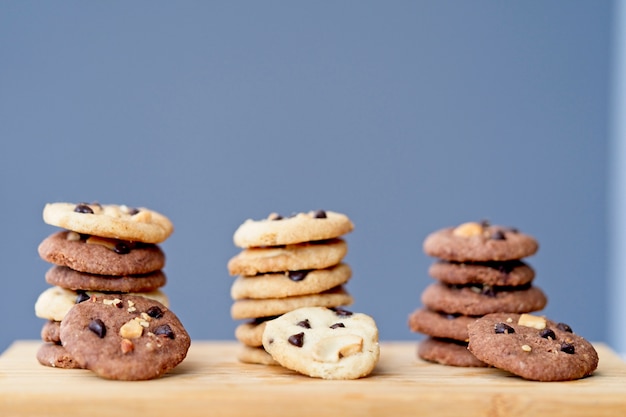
<point>532,347</point>
<point>96,255</point>
<point>124,337</point>
<point>479,242</point>
<point>447,352</point>
<point>65,277</point>
<point>509,273</point>
<point>50,332</point>
<point>441,325</point>
<point>55,356</point>
<point>477,300</point>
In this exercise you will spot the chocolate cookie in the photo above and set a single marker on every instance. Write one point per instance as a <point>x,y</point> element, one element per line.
<point>124,337</point>
<point>508,273</point>
<point>532,347</point>
<point>477,300</point>
<point>103,256</point>
<point>300,256</point>
<point>55,356</point>
<point>479,242</point>
<point>65,277</point>
<point>50,332</point>
<point>447,352</point>
<point>440,325</point>
<point>277,230</point>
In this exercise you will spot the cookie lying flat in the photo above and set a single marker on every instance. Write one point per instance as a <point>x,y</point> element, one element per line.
<point>110,220</point>
<point>296,257</point>
<point>124,337</point>
<point>441,325</point>
<point>447,352</point>
<point>508,273</point>
<point>55,356</point>
<point>101,256</point>
<point>303,227</point>
<point>479,242</point>
<point>477,300</point>
<point>250,309</point>
<point>65,277</point>
<point>324,343</point>
<point>255,355</point>
<point>251,333</point>
<point>292,283</point>
<point>55,302</point>
<point>50,332</point>
<point>532,347</point>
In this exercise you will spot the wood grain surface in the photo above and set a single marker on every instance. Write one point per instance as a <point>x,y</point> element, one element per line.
<point>211,382</point>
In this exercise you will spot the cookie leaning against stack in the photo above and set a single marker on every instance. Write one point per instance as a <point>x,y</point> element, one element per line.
<point>105,252</point>
<point>479,271</point>
<point>286,263</point>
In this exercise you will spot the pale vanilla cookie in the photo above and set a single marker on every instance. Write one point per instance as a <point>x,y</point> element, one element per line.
<point>324,343</point>
<point>289,284</point>
<point>255,356</point>
<point>110,220</point>
<point>250,333</point>
<point>296,257</point>
<point>302,227</point>
<point>55,302</point>
<point>249,308</point>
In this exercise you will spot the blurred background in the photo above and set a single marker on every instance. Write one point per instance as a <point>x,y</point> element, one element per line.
<point>408,116</point>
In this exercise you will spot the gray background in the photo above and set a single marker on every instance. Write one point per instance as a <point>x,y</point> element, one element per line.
<point>407,116</point>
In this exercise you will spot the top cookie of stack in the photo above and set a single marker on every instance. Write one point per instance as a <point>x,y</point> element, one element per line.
<point>286,263</point>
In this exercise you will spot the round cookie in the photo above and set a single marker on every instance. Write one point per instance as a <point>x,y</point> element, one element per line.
<point>255,356</point>
<point>55,356</point>
<point>440,325</point>
<point>55,302</point>
<point>508,273</point>
<point>249,308</point>
<point>103,256</point>
<point>479,242</point>
<point>68,278</point>
<point>296,257</point>
<point>324,343</point>
<point>251,333</point>
<point>290,284</point>
<point>302,227</point>
<point>50,332</point>
<point>124,337</point>
<point>110,220</point>
<point>447,352</point>
<point>475,300</point>
<point>532,347</point>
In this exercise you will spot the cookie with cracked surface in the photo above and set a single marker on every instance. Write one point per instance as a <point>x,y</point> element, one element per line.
<point>291,283</point>
<point>439,324</point>
<point>299,256</point>
<point>324,343</point>
<point>124,337</point>
<point>447,352</point>
<point>478,300</point>
<point>68,278</point>
<point>302,227</point>
<point>479,242</point>
<point>532,347</point>
<point>102,256</point>
<point>508,273</point>
<point>110,221</point>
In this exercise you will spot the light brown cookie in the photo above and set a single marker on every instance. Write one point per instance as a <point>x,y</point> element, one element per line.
<point>289,284</point>
<point>509,273</point>
<point>324,343</point>
<point>251,332</point>
<point>479,242</point>
<point>476,300</point>
<point>249,309</point>
<point>110,220</point>
<point>55,356</point>
<point>124,337</point>
<point>255,356</point>
<point>102,256</point>
<point>65,277</point>
<point>448,352</point>
<point>440,325</point>
<point>303,227</point>
<point>296,257</point>
<point>532,347</point>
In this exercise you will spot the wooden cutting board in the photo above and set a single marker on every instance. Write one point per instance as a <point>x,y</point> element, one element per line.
<point>211,382</point>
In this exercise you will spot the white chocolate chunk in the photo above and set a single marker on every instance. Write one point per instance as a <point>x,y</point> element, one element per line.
<point>528,320</point>
<point>332,349</point>
<point>131,330</point>
<point>468,230</point>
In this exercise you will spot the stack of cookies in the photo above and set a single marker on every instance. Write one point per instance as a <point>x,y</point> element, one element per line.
<point>480,270</point>
<point>286,263</point>
<point>106,255</point>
